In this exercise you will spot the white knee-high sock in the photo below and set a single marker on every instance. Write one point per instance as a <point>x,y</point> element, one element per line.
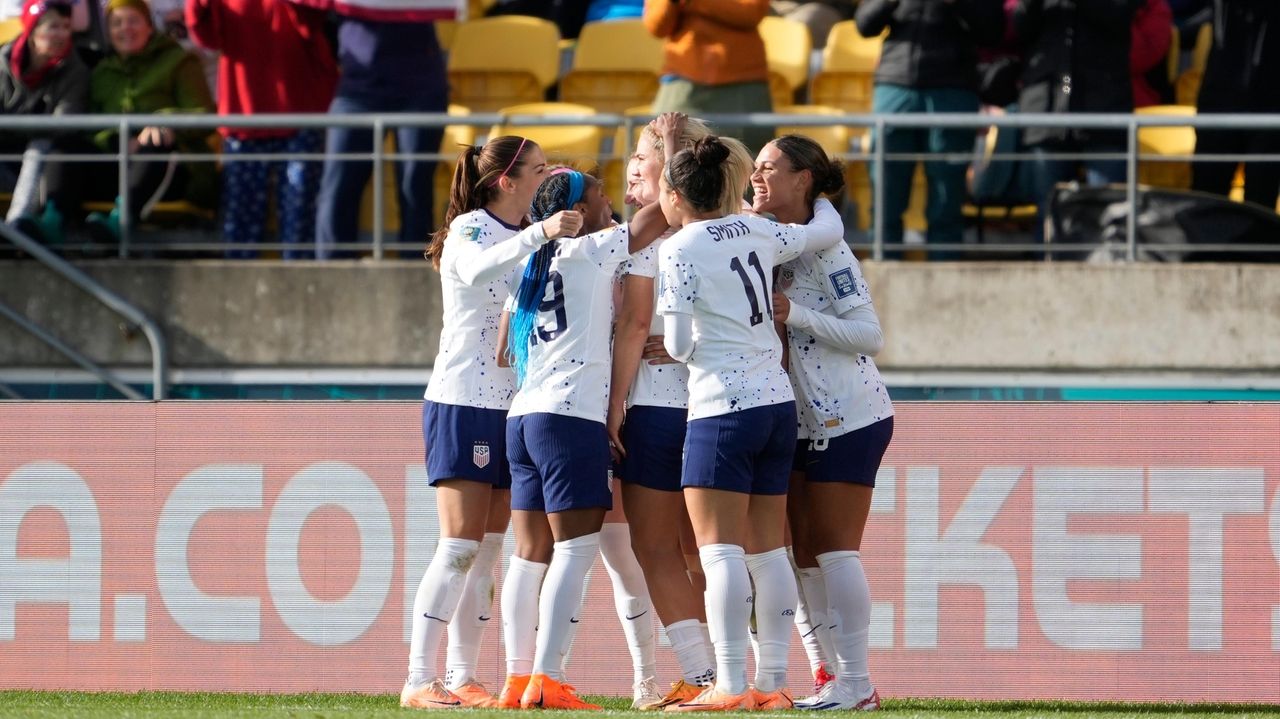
<point>435,602</point>
<point>776,601</point>
<point>693,652</point>
<point>560,601</point>
<point>630,597</point>
<point>815,631</point>
<point>466,631</point>
<point>520,589</point>
<point>849,612</point>
<point>728,600</point>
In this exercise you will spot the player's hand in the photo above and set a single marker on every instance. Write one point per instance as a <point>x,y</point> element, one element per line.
<point>613,425</point>
<point>655,352</point>
<point>565,223</point>
<point>781,307</point>
<point>668,126</point>
<point>156,136</point>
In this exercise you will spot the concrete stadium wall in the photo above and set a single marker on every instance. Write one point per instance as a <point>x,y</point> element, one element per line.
<point>943,316</point>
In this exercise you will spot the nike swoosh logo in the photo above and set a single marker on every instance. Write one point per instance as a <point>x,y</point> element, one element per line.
<point>444,704</point>
<point>484,619</point>
<point>438,619</point>
<point>573,621</point>
<point>811,631</point>
<point>641,614</point>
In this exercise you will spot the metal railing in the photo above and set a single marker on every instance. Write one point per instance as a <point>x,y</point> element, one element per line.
<point>114,302</point>
<point>876,156</point>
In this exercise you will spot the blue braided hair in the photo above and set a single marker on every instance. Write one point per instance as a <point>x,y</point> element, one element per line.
<point>563,189</point>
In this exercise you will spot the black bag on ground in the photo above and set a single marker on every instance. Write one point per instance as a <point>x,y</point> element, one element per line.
<point>1166,218</point>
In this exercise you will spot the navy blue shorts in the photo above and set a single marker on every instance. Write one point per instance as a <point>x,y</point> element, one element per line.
<point>748,451</point>
<point>852,457</point>
<point>558,463</point>
<point>654,438</point>
<point>465,443</point>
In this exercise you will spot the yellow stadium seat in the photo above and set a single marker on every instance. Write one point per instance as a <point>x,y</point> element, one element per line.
<point>562,144</point>
<point>833,138</point>
<point>500,61</point>
<point>787,45</point>
<point>1166,141</point>
<point>477,8</point>
<point>10,29</point>
<point>848,68</point>
<point>1187,89</point>
<point>445,30</point>
<point>615,66</point>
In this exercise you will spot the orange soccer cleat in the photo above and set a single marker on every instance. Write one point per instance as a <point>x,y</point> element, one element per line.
<point>474,695</point>
<point>780,699</point>
<point>681,692</point>
<point>544,692</point>
<point>432,695</point>
<point>512,690</point>
<point>713,700</point>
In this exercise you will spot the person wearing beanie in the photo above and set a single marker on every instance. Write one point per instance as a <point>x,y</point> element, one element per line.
<point>274,58</point>
<point>40,74</point>
<point>147,72</point>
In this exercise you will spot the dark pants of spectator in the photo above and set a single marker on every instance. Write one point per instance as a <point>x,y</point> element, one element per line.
<point>1047,172</point>
<point>245,187</point>
<point>945,178</point>
<point>1261,179</point>
<point>343,181</point>
<point>153,176</point>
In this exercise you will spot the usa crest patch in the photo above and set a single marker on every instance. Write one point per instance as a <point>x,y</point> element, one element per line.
<point>480,455</point>
<point>842,283</point>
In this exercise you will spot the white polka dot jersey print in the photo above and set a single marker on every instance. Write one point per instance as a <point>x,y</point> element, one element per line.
<point>663,385</point>
<point>466,372</point>
<point>571,352</point>
<point>721,272</point>
<point>837,391</point>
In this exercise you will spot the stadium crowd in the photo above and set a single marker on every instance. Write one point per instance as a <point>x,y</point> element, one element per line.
<point>313,56</point>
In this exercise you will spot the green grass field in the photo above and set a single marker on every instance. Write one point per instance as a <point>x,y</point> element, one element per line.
<point>83,705</point>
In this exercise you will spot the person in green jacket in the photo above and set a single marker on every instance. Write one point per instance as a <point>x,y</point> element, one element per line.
<point>148,72</point>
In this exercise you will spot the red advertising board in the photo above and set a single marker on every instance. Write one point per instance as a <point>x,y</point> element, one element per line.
<point>1086,551</point>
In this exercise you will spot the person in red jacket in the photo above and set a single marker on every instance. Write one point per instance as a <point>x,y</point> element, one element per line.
<point>275,59</point>
<point>1151,35</point>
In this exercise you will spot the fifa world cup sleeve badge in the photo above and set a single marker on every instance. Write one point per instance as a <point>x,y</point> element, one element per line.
<point>480,455</point>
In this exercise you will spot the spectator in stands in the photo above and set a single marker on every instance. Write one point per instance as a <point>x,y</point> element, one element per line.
<point>40,74</point>
<point>817,16</point>
<point>390,61</point>
<point>1151,36</point>
<point>928,64</point>
<point>1072,50</point>
<point>1243,75</point>
<point>714,60</point>
<point>274,58</point>
<point>148,72</point>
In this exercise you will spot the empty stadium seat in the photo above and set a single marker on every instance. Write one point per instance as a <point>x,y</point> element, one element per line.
<point>10,29</point>
<point>1166,141</point>
<point>833,138</point>
<point>1187,89</point>
<point>445,30</point>
<point>564,144</point>
<point>848,68</point>
<point>615,66</point>
<point>501,61</point>
<point>787,46</point>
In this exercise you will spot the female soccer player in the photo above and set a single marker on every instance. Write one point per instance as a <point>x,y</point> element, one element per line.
<point>652,394</point>
<point>714,295</point>
<point>464,415</point>
<point>846,418</point>
<point>559,335</point>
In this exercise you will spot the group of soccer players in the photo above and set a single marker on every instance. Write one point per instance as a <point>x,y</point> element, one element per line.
<point>716,362</point>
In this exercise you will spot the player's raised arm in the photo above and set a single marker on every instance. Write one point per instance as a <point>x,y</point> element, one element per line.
<point>824,231</point>
<point>492,263</point>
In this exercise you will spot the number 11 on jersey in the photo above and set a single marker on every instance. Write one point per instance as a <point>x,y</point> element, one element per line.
<point>749,287</point>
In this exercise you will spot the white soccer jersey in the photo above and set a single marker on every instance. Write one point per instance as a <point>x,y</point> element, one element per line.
<point>837,391</point>
<point>721,272</point>
<point>571,352</point>
<point>466,372</point>
<point>663,385</point>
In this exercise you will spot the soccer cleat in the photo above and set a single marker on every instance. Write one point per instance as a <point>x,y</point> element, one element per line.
<point>821,678</point>
<point>681,692</point>
<point>432,695</point>
<point>713,700</point>
<point>645,694</point>
<point>474,695</point>
<point>544,692</point>
<point>780,699</point>
<point>512,690</point>
<point>833,698</point>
